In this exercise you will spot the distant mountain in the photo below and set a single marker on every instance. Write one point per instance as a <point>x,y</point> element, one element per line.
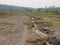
<point>8,8</point>
<point>47,9</point>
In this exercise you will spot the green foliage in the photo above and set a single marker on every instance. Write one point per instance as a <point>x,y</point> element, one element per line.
<point>48,24</point>
<point>39,10</point>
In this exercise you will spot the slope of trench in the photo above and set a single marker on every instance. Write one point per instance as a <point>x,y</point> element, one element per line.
<point>19,34</point>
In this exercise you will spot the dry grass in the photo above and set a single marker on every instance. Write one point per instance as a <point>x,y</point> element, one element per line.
<point>8,14</point>
<point>6,28</point>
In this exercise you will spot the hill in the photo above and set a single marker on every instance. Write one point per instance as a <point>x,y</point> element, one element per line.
<point>49,9</point>
<point>9,8</point>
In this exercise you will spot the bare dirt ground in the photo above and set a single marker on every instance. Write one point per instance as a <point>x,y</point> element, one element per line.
<point>20,31</point>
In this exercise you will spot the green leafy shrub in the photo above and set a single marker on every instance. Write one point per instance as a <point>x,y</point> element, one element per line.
<point>47,24</point>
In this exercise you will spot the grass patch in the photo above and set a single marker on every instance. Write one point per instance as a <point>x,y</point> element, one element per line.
<point>48,24</point>
<point>52,17</point>
<point>6,23</point>
<point>8,14</point>
<point>41,13</point>
<point>6,28</point>
<point>29,24</point>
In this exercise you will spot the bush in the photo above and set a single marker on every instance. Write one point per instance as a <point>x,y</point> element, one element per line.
<point>47,24</point>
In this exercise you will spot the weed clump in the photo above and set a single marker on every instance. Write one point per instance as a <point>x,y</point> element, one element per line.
<point>47,24</point>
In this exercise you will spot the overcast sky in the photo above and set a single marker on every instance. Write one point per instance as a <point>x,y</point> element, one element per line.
<point>32,3</point>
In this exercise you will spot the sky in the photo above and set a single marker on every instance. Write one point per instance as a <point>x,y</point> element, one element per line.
<point>32,3</point>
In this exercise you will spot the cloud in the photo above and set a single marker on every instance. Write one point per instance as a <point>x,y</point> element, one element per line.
<point>31,3</point>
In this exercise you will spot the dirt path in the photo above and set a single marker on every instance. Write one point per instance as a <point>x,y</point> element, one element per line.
<point>24,36</point>
<point>20,31</point>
